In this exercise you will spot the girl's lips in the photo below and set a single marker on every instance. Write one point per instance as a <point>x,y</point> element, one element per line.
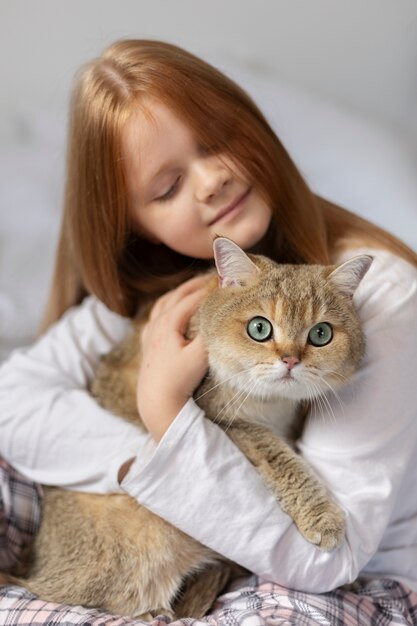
<point>229,212</point>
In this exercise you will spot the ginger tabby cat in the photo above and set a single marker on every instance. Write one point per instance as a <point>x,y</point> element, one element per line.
<point>278,337</point>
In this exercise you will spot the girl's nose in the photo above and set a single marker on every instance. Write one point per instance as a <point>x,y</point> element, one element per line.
<point>211,177</point>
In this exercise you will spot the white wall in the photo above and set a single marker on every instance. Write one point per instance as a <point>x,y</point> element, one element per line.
<point>362,53</point>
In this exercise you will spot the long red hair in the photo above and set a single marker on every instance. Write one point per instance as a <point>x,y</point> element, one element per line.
<point>99,251</point>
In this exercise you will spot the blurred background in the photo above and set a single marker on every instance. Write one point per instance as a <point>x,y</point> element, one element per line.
<point>338,81</point>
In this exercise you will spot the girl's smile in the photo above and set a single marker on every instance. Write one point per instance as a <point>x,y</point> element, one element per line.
<point>180,194</point>
<point>233,209</point>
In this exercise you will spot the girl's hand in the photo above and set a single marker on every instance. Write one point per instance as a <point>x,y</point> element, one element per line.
<point>171,365</point>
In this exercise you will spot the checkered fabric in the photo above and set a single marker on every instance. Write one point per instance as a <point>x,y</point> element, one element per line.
<point>20,511</point>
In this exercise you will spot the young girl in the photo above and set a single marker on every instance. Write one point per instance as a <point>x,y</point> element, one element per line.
<point>165,153</point>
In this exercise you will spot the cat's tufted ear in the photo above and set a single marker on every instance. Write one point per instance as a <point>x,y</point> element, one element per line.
<point>348,275</point>
<point>234,267</point>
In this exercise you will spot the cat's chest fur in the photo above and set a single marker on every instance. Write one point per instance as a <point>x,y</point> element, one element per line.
<point>277,415</point>
<point>223,405</point>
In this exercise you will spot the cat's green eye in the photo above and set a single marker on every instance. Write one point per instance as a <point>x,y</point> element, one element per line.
<point>320,334</point>
<point>259,329</point>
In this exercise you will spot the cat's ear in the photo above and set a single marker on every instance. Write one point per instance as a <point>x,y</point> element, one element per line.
<point>348,275</point>
<point>234,267</point>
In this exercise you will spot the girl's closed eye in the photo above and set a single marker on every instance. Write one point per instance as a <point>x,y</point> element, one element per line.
<point>171,191</point>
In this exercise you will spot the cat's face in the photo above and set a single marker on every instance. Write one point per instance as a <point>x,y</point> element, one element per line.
<point>285,330</point>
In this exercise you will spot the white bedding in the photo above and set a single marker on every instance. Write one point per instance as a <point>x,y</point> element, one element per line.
<point>346,158</point>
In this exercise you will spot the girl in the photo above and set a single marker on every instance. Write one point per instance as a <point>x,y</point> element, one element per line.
<point>164,153</point>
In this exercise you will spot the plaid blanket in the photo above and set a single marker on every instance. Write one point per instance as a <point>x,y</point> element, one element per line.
<point>248,602</point>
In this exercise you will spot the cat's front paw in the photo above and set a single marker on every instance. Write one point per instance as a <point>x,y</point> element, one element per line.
<point>150,616</point>
<point>324,526</point>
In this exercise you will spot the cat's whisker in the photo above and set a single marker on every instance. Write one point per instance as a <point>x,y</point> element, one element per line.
<point>334,392</point>
<point>322,409</point>
<point>311,396</point>
<point>263,396</point>
<point>235,398</point>
<point>317,401</point>
<point>321,400</point>
<point>339,375</point>
<point>315,404</point>
<point>226,380</point>
<point>327,406</point>
<point>322,380</point>
<point>235,412</point>
<point>230,422</point>
<point>342,378</point>
<point>251,389</point>
<point>217,418</point>
<point>318,405</point>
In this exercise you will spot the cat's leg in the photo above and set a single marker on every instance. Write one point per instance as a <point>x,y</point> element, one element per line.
<point>297,489</point>
<point>106,551</point>
<point>200,591</point>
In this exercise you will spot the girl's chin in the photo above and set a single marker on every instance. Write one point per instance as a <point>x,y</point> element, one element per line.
<point>247,240</point>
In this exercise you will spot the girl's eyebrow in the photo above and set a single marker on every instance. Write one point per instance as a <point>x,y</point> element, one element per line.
<point>163,169</point>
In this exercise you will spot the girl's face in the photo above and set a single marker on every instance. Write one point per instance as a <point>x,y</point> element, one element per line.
<point>182,196</point>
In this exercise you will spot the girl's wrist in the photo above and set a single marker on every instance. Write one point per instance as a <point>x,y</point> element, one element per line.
<point>160,419</point>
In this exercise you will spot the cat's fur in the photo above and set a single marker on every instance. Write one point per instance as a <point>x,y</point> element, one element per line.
<point>108,551</point>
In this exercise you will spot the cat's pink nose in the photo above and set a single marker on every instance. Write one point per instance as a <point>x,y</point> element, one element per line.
<point>290,361</point>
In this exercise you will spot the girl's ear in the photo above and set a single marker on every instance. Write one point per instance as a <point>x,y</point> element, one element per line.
<point>234,267</point>
<point>348,275</point>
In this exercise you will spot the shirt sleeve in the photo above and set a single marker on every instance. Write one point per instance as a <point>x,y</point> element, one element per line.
<point>360,445</point>
<point>52,430</point>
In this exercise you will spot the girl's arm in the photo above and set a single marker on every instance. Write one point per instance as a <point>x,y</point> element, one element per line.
<point>52,430</point>
<point>362,446</point>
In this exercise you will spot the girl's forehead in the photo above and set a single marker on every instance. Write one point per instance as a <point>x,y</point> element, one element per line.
<point>153,122</point>
<point>153,137</point>
<point>154,128</point>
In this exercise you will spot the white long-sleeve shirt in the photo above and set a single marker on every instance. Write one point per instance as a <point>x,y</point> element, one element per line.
<point>363,445</point>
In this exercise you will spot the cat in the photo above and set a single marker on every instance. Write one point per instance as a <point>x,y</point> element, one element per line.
<point>277,336</point>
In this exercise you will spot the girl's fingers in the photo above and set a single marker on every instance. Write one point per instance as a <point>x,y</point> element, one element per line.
<point>170,299</point>
<point>181,314</point>
<point>193,283</point>
<point>176,319</point>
